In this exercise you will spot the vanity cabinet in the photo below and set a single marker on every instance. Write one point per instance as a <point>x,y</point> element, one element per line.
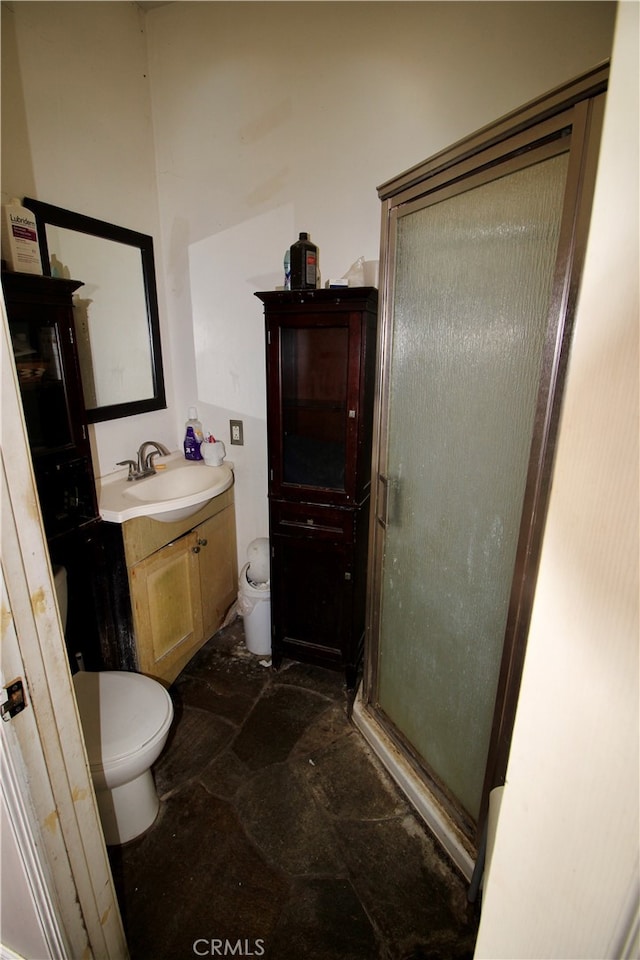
<point>183,578</point>
<point>216,551</point>
<point>320,347</point>
<point>167,607</point>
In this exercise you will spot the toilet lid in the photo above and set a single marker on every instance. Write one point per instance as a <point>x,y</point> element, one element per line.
<point>120,712</point>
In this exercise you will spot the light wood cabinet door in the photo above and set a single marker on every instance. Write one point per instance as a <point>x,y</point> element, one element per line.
<point>218,569</point>
<point>167,607</point>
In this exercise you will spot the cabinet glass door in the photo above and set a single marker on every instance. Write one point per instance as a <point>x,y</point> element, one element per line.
<point>38,355</point>
<point>314,368</point>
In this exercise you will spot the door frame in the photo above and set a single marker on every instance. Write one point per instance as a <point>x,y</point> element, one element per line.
<point>73,889</point>
<point>578,105</point>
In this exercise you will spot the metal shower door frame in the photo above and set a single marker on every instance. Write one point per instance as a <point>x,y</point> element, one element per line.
<point>567,118</point>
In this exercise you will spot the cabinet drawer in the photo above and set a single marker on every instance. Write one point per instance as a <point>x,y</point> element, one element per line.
<point>310,520</point>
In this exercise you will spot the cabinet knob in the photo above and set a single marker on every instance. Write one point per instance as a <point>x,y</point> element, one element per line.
<point>195,549</point>
<point>202,542</point>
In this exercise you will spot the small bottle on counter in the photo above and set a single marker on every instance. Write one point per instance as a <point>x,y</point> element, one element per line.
<point>193,436</point>
<point>304,264</point>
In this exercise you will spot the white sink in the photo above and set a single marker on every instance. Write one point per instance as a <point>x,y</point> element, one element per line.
<point>179,489</point>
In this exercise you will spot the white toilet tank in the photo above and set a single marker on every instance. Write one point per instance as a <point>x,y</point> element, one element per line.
<point>60,580</point>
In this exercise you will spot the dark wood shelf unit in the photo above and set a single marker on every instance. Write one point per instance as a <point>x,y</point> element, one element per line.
<point>320,387</point>
<point>42,330</point>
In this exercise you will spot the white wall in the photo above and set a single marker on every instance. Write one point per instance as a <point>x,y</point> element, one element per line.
<point>563,880</point>
<point>266,119</point>
<point>76,132</point>
<point>271,118</point>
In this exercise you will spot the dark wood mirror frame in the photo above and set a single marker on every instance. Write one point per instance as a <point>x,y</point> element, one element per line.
<point>47,214</point>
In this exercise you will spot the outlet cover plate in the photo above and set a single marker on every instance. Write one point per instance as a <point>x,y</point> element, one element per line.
<point>236,432</point>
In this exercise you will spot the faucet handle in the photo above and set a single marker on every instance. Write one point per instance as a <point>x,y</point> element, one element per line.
<point>133,466</point>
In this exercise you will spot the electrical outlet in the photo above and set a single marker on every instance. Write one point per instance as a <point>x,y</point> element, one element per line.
<point>236,431</point>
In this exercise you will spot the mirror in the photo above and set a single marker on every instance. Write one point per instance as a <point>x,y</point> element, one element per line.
<point>116,309</point>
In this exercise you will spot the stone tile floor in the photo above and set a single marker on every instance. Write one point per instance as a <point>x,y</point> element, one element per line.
<point>280,834</point>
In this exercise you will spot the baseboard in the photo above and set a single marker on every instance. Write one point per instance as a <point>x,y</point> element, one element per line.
<point>424,803</point>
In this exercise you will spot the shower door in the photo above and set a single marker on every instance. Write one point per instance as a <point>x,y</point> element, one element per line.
<point>478,266</point>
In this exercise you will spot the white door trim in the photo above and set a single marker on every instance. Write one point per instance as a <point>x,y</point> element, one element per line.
<point>34,921</point>
<point>47,737</point>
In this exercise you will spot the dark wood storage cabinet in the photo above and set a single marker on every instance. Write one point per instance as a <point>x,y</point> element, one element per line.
<point>41,326</point>
<point>320,384</point>
<point>40,314</point>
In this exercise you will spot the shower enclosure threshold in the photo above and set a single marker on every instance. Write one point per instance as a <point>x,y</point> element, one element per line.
<point>417,793</point>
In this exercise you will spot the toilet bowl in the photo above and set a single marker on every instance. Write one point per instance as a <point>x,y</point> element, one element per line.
<point>125,719</point>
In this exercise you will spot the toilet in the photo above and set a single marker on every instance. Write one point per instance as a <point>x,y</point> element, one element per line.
<point>125,718</point>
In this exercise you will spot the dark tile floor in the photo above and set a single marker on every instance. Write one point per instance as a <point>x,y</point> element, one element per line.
<point>280,834</point>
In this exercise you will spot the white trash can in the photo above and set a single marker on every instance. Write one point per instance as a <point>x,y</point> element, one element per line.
<point>254,606</point>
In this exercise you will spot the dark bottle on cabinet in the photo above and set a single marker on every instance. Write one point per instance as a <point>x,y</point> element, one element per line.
<point>304,264</point>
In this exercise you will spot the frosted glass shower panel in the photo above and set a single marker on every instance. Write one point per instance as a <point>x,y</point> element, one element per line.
<point>473,279</point>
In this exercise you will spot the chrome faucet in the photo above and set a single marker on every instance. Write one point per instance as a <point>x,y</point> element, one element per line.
<point>144,466</point>
<point>145,460</point>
